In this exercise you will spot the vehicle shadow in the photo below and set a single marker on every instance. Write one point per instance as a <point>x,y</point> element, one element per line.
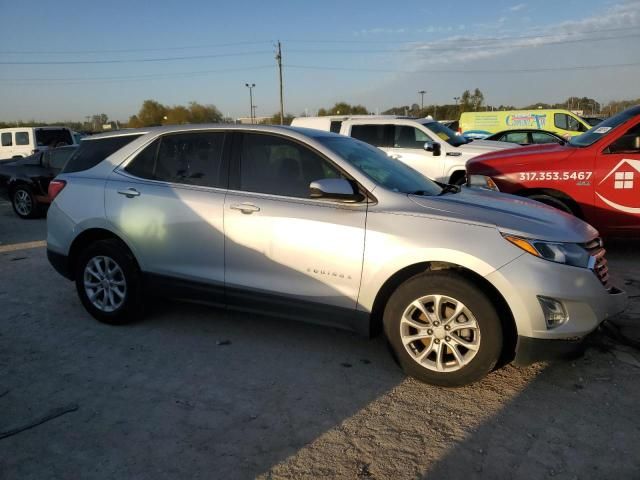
<point>574,420</point>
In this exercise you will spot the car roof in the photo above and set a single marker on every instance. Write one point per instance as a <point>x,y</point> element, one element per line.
<point>309,132</point>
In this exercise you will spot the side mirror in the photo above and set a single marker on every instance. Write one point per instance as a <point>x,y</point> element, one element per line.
<point>434,147</point>
<point>334,189</point>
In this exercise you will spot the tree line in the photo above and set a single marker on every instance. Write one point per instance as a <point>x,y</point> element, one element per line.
<point>154,113</point>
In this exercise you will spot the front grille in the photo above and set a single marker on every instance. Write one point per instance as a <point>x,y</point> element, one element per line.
<point>600,267</point>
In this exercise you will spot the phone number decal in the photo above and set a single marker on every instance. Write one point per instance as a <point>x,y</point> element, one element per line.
<point>563,176</point>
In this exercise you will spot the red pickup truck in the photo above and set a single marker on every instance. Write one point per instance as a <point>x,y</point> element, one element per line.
<point>595,176</point>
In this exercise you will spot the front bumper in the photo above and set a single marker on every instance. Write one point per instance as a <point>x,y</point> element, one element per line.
<point>587,302</point>
<point>530,350</point>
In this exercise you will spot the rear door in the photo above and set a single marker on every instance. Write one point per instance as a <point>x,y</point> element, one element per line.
<point>286,252</point>
<point>167,203</point>
<point>618,183</point>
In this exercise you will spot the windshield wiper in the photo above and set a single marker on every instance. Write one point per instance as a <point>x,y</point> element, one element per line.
<point>419,192</point>
<point>449,189</point>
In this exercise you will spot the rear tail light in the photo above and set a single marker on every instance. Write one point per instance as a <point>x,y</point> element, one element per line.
<point>55,187</point>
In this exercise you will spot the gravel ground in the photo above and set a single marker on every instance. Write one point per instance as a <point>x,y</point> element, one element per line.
<point>195,392</point>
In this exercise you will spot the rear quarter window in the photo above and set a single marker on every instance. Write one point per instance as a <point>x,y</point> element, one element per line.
<point>92,152</point>
<point>53,137</point>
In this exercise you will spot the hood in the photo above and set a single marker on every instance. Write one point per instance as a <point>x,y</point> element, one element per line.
<point>509,213</point>
<point>526,155</point>
<point>478,147</point>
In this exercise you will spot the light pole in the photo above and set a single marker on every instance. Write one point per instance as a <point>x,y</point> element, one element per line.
<point>422,92</point>
<point>250,87</point>
<point>455,99</point>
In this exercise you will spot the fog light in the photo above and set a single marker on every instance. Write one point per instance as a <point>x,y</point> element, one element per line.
<point>554,311</point>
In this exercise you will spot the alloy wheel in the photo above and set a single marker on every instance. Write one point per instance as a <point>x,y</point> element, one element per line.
<point>104,283</point>
<point>22,202</point>
<point>440,333</point>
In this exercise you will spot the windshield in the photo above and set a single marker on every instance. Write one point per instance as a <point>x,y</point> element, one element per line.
<point>380,168</point>
<point>445,133</point>
<point>604,128</point>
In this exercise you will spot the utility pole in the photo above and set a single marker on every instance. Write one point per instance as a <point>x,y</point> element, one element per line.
<point>279,60</point>
<point>422,92</point>
<point>250,87</point>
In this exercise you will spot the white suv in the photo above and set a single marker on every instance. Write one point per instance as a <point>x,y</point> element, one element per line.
<point>24,141</point>
<point>425,145</point>
<point>320,227</point>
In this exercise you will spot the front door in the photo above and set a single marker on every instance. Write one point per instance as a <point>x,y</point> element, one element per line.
<point>285,252</point>
<point>408,147</point>
<point>617,183</point>
<point>167,203</point>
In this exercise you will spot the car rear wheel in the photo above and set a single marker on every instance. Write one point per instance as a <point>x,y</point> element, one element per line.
<point>24,202</point>
<point>108,282</point>
<point>443,329</point>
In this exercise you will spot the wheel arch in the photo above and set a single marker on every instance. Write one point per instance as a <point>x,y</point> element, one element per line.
<point>457,175</point>
<point>552,192</point>
<point>497,299</point>
<point>86,238</point>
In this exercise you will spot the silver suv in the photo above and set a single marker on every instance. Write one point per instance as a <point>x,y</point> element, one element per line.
<point>324,228</point>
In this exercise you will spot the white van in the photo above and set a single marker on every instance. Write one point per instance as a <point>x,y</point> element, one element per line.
<point>422,143</point>
<point>24,141</point>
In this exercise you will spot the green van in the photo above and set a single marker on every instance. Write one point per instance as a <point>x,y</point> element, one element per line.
<point>562,122</point>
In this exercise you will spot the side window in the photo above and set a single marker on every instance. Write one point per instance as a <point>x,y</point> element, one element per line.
<point>144,164</point>
<point>276,165</point>
<point>188,158</point>
<point>335,126</point>
<point>22,138</point>
<point>541,137</point>
<point>516,137</point>
<point>58,157</point>
<point>6,139</point>
<point>409,137</point>
<point>628,143</point>
<point>376,135</point>
<point>566,122</point>
<point>560,121</point>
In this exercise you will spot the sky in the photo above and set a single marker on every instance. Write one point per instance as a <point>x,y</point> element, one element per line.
<point>67,60</point>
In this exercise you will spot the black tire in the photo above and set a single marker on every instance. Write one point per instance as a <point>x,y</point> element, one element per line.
<point>24,202</point>
<point>131,307</point>
<point>553,202</point>
<point>455,286</point>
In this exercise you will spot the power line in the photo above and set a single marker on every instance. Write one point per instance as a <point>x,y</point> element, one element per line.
<point>441,47</point>
<point>467,39</point>
<point>433,47</point>
<point>493,70</point>
<point>128,50</point>
<point>161,76</point>
<point>137,60</point>
<point>461,41</point>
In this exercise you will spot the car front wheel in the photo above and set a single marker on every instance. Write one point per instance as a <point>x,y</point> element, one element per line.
<point>443,329</point>
<point>108,282</point>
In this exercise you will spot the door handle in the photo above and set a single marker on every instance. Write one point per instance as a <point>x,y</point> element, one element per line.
<point>394,156</point>
<point>246,208</point>
<point>129,192</point>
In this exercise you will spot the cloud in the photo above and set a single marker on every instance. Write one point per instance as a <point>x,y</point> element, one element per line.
<point>618,20</point>
<point>518,7</point>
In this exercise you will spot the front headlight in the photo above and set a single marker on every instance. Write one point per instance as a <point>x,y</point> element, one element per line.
<point>482,181</point>
<point>567,253</point>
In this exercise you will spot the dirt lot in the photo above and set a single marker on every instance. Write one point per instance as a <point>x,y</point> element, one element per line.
<point>193,392</point>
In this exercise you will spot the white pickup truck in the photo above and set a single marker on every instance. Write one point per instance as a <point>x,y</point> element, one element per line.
<point>424,144</point>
